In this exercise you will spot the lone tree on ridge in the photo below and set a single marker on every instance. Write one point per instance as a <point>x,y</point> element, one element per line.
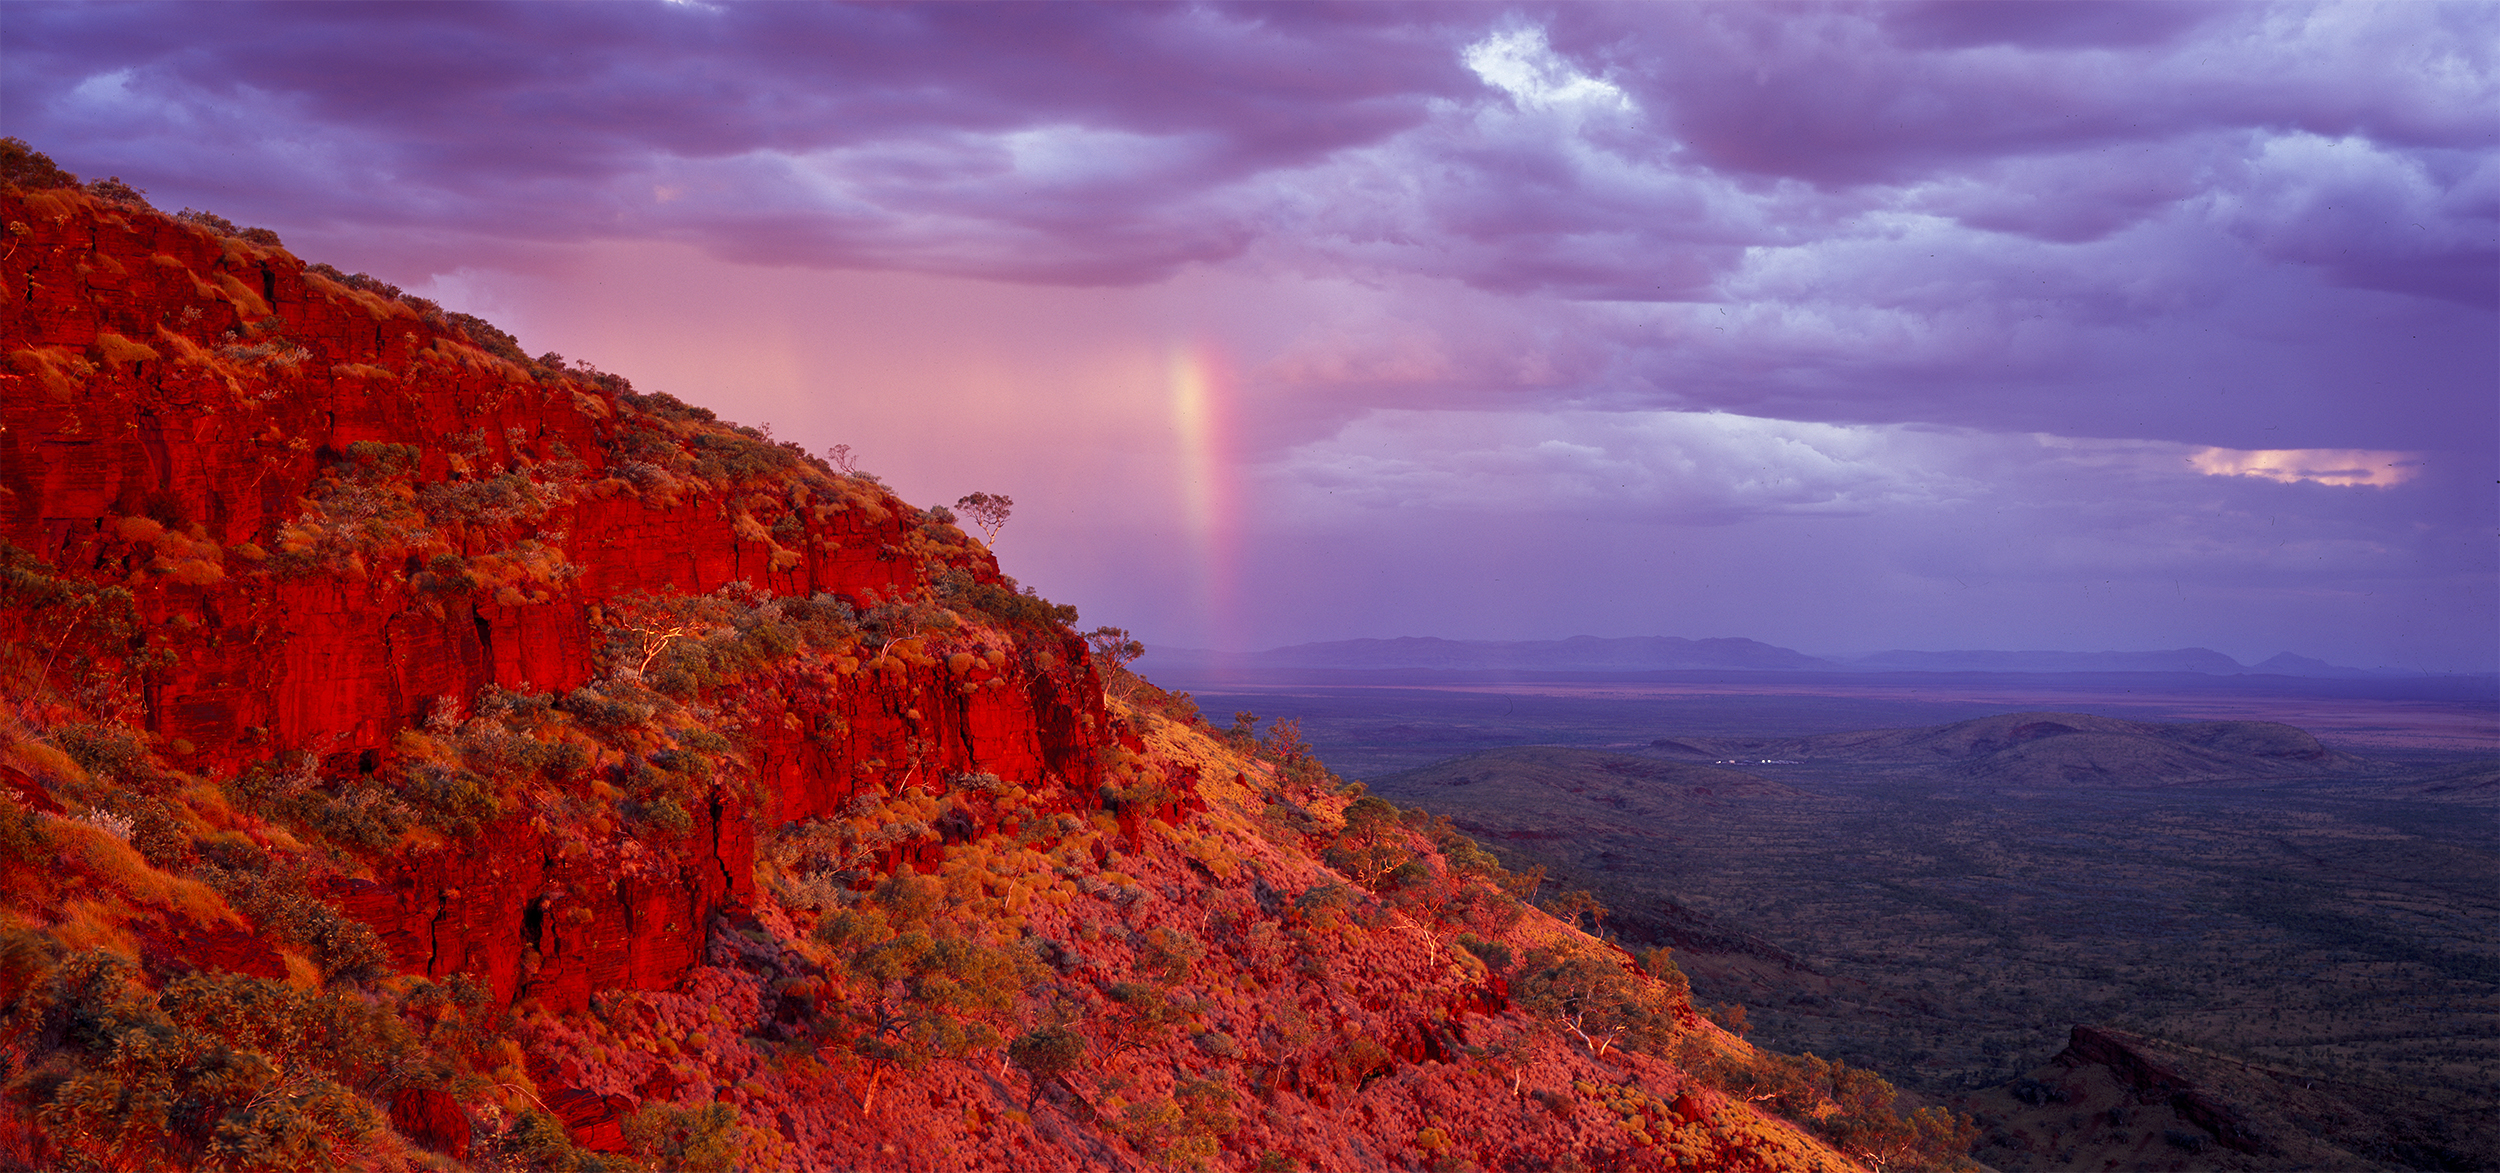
<point>988,511</point>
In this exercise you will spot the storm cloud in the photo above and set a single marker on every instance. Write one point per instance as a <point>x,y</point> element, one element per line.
<point>2019,294</point>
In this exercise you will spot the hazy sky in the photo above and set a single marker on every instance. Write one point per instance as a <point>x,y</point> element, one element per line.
<point>2088,326</point>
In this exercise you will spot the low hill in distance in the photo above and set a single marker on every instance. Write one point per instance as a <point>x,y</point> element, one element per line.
<point>2287,664</point>
<point>1368,726</point>
<point>2050,749</point>
<point>2468,782</point>
<point>2201,660</point>
<point>1579,653</point>
<point>2115,1099</point>
<point>1591,654</point>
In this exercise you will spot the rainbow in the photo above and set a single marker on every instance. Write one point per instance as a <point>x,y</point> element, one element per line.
<point>1200,390</point>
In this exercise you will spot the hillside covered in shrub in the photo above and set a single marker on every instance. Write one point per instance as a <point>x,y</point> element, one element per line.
<point>416,754</point>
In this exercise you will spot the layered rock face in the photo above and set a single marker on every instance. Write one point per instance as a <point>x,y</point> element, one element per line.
<point>418,754</point>
<point>185,413</point>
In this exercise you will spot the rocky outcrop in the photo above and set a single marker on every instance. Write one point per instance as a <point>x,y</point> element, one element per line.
<point>183,411</point>
<point>2156,1079</point>
<point>2117,1099</point>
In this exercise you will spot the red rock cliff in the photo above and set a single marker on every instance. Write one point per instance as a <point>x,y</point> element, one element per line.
<point>208,423</point>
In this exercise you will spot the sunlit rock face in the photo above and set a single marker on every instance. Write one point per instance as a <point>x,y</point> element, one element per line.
<point>340,519</point>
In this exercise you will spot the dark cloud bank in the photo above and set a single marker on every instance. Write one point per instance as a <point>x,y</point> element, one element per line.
<point>2255,227</point>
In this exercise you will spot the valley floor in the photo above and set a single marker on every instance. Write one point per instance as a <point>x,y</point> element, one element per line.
<point>1949,933</point>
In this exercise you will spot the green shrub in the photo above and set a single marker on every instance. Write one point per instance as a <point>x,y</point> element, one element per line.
<point>113,190</point>
<point>360,511</point>
<point>1165,954</point>
<point>380,460</point>
<point>362,281</point>
<point>277,898</point>
<point>665,404</point>
<point>106,752</point>
<point>485,336</point>
<point>22,838</point>
<point>1323,899</point>
<point>681,645</point>
<point>537,1140</point>
<point>1010,607</point>
<point>1359,1061</point>
<point>312,1125</point>
<point>24,166</point>
<point>1047,1055</point>
<point>1495,955</point>
<point>356,812</point>
<point>93,637</point>
<point>1146,1014</point>
<point>1850,1107</point>
<point>506,497</point>
<point>735,456</point>
<point>701,1139</point>
<point>1367,817</point>
<point>597,708</point>
<point>359,814</point>
<point>936,995</point>
<point>451,799</point>
<point>1206,1107</point>
<point>1149,1126</point>
<point>1570,906</point>
<point>208,220</point>
<point>1589,993</point>
<point>665,813</point>
<point>221,1070</point>
<point>446,574</point>
<point>1659,963</point>
<point>694,767</point>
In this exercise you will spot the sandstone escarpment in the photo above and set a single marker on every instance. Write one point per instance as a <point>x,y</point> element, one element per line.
<point>336,516</point>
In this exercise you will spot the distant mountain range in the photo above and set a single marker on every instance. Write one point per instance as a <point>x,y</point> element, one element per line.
<point>1671,653</point>
<point>1582,652</point>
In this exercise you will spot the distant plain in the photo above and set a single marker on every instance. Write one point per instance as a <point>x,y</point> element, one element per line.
<point>1948,930</point>
<point>1364,724</point>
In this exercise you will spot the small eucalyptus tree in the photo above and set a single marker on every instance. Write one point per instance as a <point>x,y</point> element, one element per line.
<point>988,511</point>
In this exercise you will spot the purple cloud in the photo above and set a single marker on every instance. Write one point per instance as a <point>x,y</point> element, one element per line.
<point>1113,144</point>
<point>817,131</point>
<point>2262,228</point>
<point>2097,24</point>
